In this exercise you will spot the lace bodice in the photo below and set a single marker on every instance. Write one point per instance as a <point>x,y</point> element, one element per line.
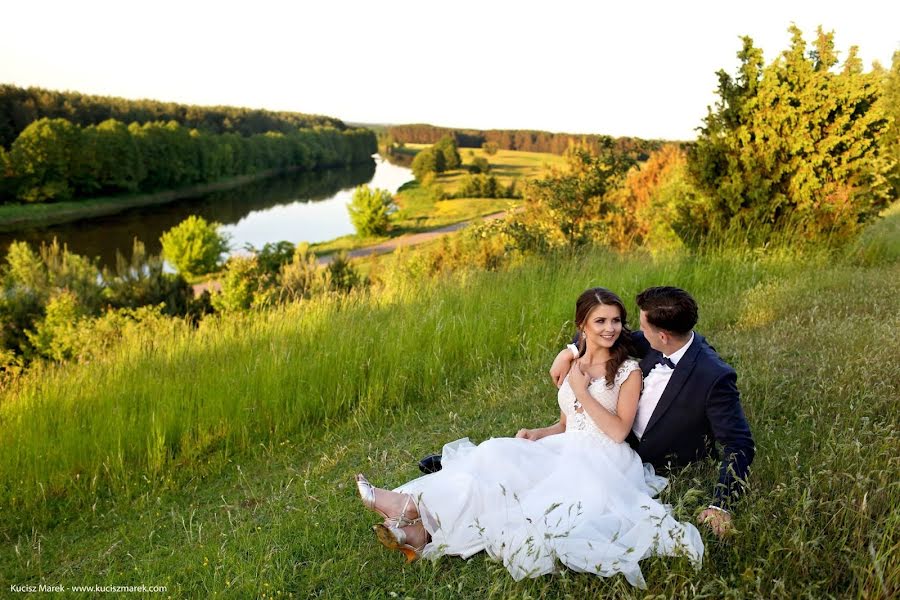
<point>608,397</point>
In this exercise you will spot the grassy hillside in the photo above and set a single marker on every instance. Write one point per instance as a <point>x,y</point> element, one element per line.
<point>220,461</point>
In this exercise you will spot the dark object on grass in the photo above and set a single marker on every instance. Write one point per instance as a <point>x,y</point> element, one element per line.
<point>430,464</point>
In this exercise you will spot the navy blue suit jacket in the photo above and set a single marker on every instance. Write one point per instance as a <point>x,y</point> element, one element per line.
<point>699,407</point>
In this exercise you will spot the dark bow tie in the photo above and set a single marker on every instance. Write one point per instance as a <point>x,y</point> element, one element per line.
<point>662,360</point>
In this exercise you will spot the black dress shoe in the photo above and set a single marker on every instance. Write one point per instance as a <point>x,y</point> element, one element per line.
<point>430,464</point>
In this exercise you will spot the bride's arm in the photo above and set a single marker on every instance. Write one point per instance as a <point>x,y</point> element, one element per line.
<point>536,434</point>
<point>617,426</point>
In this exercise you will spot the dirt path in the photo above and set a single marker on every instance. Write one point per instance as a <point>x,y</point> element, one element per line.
<point>413,239</point>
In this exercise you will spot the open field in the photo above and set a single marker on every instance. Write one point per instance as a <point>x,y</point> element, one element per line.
<point>505,164</point>
<point>220,461</point>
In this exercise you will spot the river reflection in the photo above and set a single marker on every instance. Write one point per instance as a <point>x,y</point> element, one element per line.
<point>296,207</point>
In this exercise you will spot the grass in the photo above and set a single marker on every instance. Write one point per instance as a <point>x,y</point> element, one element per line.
<point>219,461</point>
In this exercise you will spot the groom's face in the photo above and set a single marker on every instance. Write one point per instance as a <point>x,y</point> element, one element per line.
<point>651,333</point>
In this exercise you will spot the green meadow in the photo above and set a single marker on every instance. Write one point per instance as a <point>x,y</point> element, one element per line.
<point>506,165</point>
<point>219,461</point>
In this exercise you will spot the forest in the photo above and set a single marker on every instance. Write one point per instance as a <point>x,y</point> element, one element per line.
<point>56,160</point>
<point>19,107</point>
<point>525,140</point>
<point>58,146</point>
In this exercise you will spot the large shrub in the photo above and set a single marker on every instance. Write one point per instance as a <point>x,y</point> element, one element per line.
<point>370,211</point>
<point>142,281</point>
<point>194,247</point>
<point>479,164</point>
<point>657,206</point>
<point>301,278</point>
<point>794,146</point>
<point>30,280</point>
<point>340,275</point>
<point>241,284</point>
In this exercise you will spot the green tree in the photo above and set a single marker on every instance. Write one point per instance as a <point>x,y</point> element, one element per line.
<point>194,247</point>
<point>43,158</point>
<point>481,186</point>
<point>370,211</point>
<point>273,255</point>
<point>119,166</point>
<point>793,146</point>
<point>569,207</point>
<point>447,149</point>
<point>490,148</point>
<point>479,165</point>
<point>425,164</point>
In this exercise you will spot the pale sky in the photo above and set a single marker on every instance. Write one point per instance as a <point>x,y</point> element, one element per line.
<point>621,68</point>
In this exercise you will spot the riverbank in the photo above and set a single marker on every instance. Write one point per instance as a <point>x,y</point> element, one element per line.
<point>16,217</point>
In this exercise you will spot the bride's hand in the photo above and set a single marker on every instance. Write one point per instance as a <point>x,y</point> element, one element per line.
<point>527,434</point>
<point>578,379</point>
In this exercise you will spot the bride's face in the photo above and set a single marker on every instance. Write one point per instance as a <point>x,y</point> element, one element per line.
<point>603,325</point>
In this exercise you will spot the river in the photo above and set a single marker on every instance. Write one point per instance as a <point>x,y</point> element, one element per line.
<point>299,207</point>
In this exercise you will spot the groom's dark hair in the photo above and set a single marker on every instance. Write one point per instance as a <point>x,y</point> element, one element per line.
<point>669,308</point>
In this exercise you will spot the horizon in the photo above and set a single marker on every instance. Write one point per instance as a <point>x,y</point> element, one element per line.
<point>645,71</point>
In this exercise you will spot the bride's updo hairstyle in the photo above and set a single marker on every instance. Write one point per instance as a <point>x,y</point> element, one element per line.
<point>622,348</point>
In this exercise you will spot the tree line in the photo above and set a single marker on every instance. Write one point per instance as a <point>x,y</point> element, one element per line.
<point>524,140</point>
<point>55,159</point>
<point>19,107</point>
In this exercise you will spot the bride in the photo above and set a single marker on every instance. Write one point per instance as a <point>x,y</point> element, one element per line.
<point>572,493</point>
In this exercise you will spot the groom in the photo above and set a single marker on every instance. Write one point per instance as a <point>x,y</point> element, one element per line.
<point>689,400</point>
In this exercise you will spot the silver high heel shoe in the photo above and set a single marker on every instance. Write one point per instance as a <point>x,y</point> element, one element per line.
<point>367,494</point>
<point>394,538</point>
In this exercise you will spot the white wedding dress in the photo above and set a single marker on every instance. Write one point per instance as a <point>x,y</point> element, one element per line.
<point>577,498</point>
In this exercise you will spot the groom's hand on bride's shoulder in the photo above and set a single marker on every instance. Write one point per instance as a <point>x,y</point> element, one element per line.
<point>718,521</point>
<point>561,365</point>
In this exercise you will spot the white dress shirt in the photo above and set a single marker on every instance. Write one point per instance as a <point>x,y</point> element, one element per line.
<point>654,385</point>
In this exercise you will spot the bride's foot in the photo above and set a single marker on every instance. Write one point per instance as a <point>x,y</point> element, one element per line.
<point>398,510</point>
<point>409,540</point>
